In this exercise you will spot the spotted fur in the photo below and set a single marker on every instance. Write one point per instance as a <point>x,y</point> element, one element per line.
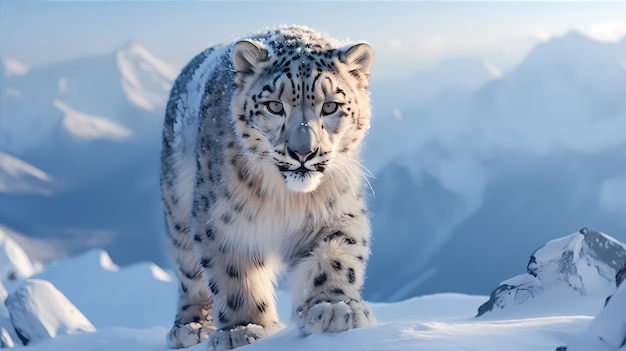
<point>260,175</point>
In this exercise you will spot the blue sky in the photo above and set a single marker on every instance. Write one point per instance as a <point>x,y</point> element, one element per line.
<point>405,35</point>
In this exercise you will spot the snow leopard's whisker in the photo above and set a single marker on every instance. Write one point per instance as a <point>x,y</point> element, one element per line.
<point>349,176</point>
<point>367,174</point>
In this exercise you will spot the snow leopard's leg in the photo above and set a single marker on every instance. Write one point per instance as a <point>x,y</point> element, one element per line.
<point>327,280</point>
<point>241,285</point>
<point>193,321</point>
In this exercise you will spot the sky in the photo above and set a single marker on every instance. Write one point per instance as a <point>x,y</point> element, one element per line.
<point>406,36</point>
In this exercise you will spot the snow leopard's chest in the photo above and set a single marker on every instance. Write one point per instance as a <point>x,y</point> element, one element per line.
<point>254,212</point>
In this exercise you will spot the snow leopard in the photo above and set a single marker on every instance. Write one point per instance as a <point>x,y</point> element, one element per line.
<point>261,179</point>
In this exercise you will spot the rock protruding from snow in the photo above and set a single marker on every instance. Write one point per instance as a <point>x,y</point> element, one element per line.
<point>14,263</point>
<point>620,276</point>
<point>39,311</point>
<point>581,264</point>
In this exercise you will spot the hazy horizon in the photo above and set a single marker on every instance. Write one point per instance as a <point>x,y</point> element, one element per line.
<point>406,36</point>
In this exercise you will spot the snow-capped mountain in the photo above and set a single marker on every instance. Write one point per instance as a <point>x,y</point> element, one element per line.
<point>567,86</point>
<point>476,175</point>
<point>86,134</point>
<point>109,97</point>
<point>570,86</point>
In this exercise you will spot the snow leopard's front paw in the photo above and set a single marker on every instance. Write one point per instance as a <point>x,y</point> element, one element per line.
<point>189,334</point>
<point>230,338</point>
<point>334,316</point>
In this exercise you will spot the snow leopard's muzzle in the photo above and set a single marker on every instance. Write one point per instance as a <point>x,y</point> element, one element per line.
<point>303,159</point>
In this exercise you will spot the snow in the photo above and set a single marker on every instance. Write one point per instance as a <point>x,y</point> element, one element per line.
<point>5,339</point>
<point>144,77</point>
<point>37,249</point>
<point>14,263</point>
<point>112,296</point>
<point>607,332</point>
<point>610,324</point>
<point>89,127</point>
<point>132,307</point>
<point>114,95</point>
<point>576,269</point>
<point>39,311</point>
<point>397,330</point>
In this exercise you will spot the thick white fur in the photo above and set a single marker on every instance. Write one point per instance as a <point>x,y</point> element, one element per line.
<point>313,226</point>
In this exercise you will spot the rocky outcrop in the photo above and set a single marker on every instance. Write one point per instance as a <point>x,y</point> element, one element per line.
<point>584,263</point>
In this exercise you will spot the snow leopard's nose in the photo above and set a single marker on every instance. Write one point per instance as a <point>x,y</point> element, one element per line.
<point>302,157</point>
<point>302,142</point>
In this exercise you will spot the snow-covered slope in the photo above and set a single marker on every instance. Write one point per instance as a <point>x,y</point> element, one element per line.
<point>87,127</point>
<point>112,296</point>
<point>608,330</point>
<point>144,76</point>
<point>14,263</point>
<point>39,311</point>
<point>132,309</point>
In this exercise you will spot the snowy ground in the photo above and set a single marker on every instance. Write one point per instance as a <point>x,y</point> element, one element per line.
<point>132,309</point>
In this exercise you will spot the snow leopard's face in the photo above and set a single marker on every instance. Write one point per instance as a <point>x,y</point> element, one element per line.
<point>303,110</point>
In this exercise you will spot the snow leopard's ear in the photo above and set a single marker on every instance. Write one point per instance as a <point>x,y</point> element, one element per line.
<point>246,55</point>
<point>358,58</point>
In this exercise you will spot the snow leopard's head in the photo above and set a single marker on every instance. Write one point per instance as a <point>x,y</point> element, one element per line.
<point>302,105</point>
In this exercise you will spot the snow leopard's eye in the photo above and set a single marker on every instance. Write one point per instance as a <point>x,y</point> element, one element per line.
<point>329,108</point>
<point>275,107</point>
